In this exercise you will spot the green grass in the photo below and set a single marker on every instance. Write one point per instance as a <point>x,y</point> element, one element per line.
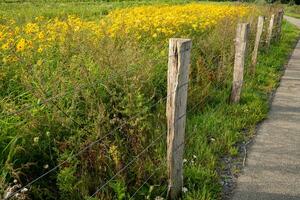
<point>292,11</point>
<point>213,129</point>
<point>296,15</point>
<point>23,11</point>
<point>91,10</point>
<point>216,131</point>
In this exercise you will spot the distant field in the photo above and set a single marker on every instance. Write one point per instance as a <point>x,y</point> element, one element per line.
<point>51,8</point>
<point>88,10</point>
<point>75,73</point>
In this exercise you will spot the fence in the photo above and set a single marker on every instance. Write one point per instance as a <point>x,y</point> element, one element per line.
<point>176,108</point>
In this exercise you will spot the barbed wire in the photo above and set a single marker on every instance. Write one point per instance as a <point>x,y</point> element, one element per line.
<point>47,100</point>
<point>100,139</point>
<point>125,72</point>
<point>79,87</point>
<point>128,164</point>
<point>91,144</point>
<point>191,137</point>
<point>133,160</point>
<point>152,174</point>
<point>165,190</point>
<point>51,99</point>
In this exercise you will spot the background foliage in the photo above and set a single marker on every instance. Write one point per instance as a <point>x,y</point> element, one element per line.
<point>111,81</point>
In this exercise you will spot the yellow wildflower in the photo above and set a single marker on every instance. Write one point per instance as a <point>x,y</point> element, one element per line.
<point>5,46</point>
<point>167,20</point>
<point>17,30</point>
<point>41,35</point>
<point>5,60</point>
<point>40,50</point>
<point>9,59</point>
<point>21,45</point>
<point>31,28</point>
<point>115,154</point>
<point>1,35</point>
<point>39,62</point>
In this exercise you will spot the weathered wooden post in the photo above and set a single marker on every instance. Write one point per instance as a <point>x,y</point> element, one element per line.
<point>279,24</point>
<point>178,75</point>
<point>260,27</point>
<point>270,31</point>
<point>239,61</point>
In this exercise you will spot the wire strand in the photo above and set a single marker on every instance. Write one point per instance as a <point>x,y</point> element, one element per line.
<point>45,101</point>
<point>95,142</point>
<point>133,160</point>
<point>90,145</point>
<point>128,164</point>
<point>144,183</point>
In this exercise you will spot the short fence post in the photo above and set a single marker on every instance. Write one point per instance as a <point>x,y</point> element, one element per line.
<point>279,23</point>
<point>239,61</point>
<point>178,76</point>
<point>260,27</point>
<point>270,31</point>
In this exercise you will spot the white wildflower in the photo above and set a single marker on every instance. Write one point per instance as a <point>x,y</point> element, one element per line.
<point>184,189</point>
<point>24,190</point>
<point>36,139</point>
<point>10,191</point>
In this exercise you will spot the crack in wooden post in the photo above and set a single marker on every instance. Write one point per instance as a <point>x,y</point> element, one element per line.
<point>270,31</point>
<point>239,61</point>
<point>178,75</point>
<point>260,28</point>
<point>279,19</point>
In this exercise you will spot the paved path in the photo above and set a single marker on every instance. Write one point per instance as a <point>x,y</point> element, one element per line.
<point>272,169</point>
<point>293,20</point>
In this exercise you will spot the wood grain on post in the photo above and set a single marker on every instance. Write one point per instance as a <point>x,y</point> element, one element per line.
<point>260,27</point>
<point>239,61</point>
<point>178,75</point>
<point>279,23</point>
<point>270,30</point>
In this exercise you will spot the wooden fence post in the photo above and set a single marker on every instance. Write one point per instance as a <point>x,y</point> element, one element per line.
<point>260,27</point>
<point>279,23</point>
<point>270,31</point>
<point>178,75</point>
<point>239,61</point>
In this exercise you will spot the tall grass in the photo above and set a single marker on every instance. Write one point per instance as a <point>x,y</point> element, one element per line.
<point>118,86</point>
<point>292,10</point>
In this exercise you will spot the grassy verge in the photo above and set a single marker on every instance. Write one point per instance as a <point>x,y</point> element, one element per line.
<point>217,131</point>
<point>296,15</point>
<point>114,83</point>
<point>292,11</point>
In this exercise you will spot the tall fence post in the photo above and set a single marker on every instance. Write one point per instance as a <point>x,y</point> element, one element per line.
<point>239,61</point>
<point>178,76</point>
<point>260,27</point>
<point>270,30</point>
<point>279,23</point>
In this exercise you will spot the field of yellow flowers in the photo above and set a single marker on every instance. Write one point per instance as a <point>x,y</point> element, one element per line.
<point>68,78</point>
<point>169,21</point>
<point>140,22</point>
